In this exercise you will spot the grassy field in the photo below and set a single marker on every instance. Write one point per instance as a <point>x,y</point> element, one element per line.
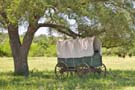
<point>121,76</point>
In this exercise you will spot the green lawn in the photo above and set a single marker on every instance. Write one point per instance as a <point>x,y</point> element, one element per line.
<point>121,76</point>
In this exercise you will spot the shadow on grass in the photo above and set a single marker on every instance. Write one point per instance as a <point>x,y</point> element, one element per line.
<point>115,79</point>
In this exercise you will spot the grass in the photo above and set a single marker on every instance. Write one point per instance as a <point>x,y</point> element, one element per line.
<point>120,77</point>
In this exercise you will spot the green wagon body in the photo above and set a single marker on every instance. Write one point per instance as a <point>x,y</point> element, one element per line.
<point>94,61</point>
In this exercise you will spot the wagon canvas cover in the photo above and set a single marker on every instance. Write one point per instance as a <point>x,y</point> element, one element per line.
<point>77,48</point>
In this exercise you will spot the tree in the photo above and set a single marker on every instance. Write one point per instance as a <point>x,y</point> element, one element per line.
<point>12,15</point>
<point>92,17</point>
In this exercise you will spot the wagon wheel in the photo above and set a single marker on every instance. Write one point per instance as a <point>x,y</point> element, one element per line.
<point>82,70</point>
<point>102,70</point>
<point>61,70</point>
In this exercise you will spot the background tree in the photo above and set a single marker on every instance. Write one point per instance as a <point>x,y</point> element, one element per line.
<point>111,20</point>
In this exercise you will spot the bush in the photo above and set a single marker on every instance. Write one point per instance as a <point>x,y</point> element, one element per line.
<point>51,51</point>
<point>5,49</point>
<point>37,51</point>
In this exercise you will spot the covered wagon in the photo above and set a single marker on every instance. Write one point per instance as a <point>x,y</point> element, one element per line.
<point>81,56</point>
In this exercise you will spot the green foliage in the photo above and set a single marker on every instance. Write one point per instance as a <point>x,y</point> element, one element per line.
<point>4,46</point>
<point>43,46</point>
<point>34,50</point>
<point>51,51</point>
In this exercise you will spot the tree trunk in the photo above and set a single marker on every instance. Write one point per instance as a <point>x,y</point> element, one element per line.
<point>20,51</point>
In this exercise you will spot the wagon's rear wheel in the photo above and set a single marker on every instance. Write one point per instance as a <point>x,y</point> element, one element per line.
<point>82,70</point>
<point>103,70</point>
<point>61,70</point>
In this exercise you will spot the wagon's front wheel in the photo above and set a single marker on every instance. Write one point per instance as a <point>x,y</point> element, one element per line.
<point>61,70</point>
<point>82,70</point>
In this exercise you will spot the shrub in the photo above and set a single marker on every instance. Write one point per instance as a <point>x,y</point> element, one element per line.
<point>51,51</point>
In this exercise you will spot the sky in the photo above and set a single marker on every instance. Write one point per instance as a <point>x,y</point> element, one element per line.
<point>40,31</point>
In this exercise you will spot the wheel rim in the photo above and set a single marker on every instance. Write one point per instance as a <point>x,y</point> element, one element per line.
<point>61,70</point>
<point>82,70</point>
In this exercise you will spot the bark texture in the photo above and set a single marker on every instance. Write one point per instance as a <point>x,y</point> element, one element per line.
<point>20,50</point>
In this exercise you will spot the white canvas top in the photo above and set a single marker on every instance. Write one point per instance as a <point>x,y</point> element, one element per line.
<point>76,48</point>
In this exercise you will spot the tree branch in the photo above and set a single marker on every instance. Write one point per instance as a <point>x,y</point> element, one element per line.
<point>60,28</point>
